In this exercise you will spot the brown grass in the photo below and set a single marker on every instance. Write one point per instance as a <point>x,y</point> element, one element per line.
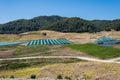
<point>6,54</point>
<point>8,37</point>
<point>89,70</point>
<point>74,37</point>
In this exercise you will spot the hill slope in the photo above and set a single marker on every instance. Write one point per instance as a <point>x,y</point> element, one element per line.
<point>72,25</point>
<point>57,23</point>
<point>22,25</point>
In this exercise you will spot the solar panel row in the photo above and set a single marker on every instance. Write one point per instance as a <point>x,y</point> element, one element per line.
<point>105,40</point>
<point>10,43</point>
<point>48,42</point>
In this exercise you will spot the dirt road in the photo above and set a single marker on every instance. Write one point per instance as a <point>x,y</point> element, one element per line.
<point>77,57</point>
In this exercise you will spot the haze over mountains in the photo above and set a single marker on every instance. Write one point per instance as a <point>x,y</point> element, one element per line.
<point>58,23</point>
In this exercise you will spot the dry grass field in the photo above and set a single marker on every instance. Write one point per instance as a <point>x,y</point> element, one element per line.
<point>9,37</point>
<point>87,70</point>
<point>74,37</point>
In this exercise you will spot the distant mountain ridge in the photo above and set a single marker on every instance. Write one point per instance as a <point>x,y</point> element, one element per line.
<point>58,23</point>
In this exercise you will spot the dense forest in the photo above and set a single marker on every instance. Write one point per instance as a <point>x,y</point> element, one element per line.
<point>57,23</point>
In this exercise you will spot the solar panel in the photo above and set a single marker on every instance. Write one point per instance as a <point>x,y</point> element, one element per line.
<point>48,42</point>
<point>10,43</point>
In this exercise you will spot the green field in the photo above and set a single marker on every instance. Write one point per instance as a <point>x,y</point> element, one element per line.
<point>96,50</point>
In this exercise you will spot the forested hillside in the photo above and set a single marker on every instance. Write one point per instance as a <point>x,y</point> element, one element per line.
<point>20,26</point>
<point>72,25</point>
<point>107,25</point>
<point>57,23</point>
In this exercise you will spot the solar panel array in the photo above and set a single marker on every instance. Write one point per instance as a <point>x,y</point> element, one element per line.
<point>105,40</point>
<point>48,42</point>
<point>10,43</point>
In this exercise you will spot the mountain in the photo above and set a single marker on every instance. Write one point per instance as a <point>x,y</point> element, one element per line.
<point>100,23</point>
<point>72,25</point>
<point>107,24</point>
<point>58,23</point>
<point>115,24</point>
<point>18,26</point>
<point>43,21</point>
<point>23,25</point>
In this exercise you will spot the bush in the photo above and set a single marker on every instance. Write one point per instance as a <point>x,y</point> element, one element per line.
<point>59,76</point>
<point>17,65</point>
<point>68,78</point>
<point>33,76</point>
<point>12,76</point>
<point>44,34</point>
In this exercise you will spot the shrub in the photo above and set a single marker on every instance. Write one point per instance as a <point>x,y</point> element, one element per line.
<point>44,34</point>
<point>67,78</point>
<point>17,65</point>
<point>33,76</point>
<point>12,76</point>
<point>59,76</point>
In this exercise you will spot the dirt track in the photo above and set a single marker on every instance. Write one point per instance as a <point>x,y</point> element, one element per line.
<point>77,57</point>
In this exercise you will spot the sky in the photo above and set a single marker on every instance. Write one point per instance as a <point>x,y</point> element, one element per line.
<point>87,9</point>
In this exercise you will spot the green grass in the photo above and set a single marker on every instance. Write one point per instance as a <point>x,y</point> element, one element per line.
<point>96,50</point>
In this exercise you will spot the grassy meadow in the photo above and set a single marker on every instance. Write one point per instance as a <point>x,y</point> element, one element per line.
<point>96,50</point>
